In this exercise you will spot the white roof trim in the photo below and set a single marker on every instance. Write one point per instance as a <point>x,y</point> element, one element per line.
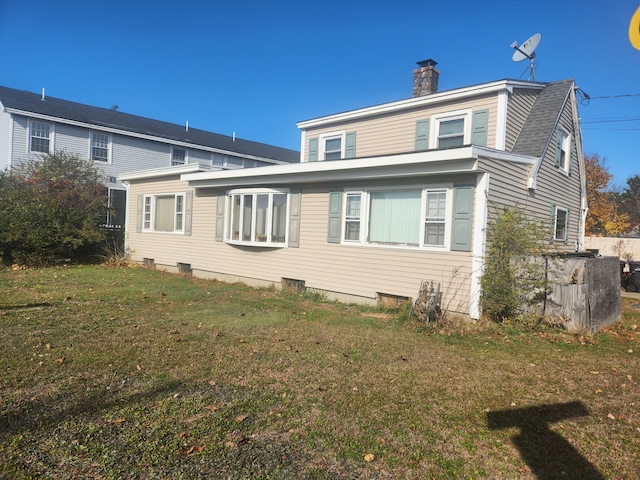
<point>143,136</point>
<point>163,172</point>
<point>449,95</point>
<point>427,162</point>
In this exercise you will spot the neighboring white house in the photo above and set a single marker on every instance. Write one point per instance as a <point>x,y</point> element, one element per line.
<point>32,124</point>
<point>384,198</point>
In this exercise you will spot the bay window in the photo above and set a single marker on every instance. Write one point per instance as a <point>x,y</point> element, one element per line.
<point>257,218</point>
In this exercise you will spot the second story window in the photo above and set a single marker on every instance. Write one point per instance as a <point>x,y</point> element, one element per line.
<point>451,133</point>
<point>178,156</point>
<point>100,146</point>
<point>40,133</point>
<point>563,150</point>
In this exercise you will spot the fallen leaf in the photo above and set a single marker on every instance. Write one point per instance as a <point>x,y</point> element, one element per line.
<point>381,440</point>
<point>61,359</point>
<point>369,457</point>
<point>629,351</point>
<point>595,373</point>
<point>611,416</point>
<point>212,408</point>
<point>116,420</point>
<point>243,441</point>
<point>241,418</point>
<point>48,346</point>
<point>138,367</point>
<point>598,391</point>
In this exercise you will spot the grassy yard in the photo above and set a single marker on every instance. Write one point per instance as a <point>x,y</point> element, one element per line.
<point>132,373</point>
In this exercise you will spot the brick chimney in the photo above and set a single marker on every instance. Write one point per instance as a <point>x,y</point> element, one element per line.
<point>425,78</point>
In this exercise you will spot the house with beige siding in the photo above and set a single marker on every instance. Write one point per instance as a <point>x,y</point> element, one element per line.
<point>384,198</point>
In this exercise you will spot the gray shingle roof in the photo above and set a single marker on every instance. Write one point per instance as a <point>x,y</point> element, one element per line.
<point>539,126</point>
<point>65,109</point>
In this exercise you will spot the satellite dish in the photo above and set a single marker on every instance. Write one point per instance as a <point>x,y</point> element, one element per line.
<point>526,50</point>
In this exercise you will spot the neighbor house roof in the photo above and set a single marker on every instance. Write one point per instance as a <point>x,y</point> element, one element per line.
<point>25,103</point>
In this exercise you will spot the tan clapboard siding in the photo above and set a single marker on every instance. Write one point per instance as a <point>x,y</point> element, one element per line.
<point>520,103</point>
<point>395,133</point>
<point>345,269</point>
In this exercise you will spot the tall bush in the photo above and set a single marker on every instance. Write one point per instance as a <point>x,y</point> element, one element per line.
<point>51,208</point>
<point>514,273</point>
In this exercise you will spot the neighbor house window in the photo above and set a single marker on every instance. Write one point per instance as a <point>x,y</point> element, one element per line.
<point>178,156</point>
<point>257,218</point>
<point>100,146</point>
<point>40,133</point>
<point>164,213</point>
<point>561,224</point>
<point>414,217</point>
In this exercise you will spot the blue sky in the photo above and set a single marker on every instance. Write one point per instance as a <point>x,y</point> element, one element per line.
<point>257,67</point>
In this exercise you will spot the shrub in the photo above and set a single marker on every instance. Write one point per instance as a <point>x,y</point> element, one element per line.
<point>514,272</point>
<point>51,208</point>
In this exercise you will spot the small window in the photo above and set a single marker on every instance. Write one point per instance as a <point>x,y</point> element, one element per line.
<point>258,218</point>
<point>40,137</point>
<point>332,146</point>
<point>100,146</point>
<point>353,215</point>
<point>561,229</point>
<point>436,209</point>
<point>218,159</point>
<point>451,133</point>
<point>178,156</point>
<point>564,147</point>
<point>164,213</point>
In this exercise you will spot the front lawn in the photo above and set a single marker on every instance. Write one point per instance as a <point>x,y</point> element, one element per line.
<point>134,373</point>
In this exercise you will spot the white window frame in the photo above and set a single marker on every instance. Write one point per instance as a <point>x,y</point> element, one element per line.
<point>437,119</point>
<point>322,144</point>
<point>365,202</point>
<point>149,212</point>
<point>253,193</point>
<point>565,151</point>
<point>92,144</point>
<point>186,156</point>
<point>50,138</point>
<point>566,224</point>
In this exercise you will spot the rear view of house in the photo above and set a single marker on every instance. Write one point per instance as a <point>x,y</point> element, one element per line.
<point>384,197</point>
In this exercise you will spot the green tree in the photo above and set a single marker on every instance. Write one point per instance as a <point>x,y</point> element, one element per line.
<point>629,200</point>
<point>50,208</point>
<point>604,217</point>
<point>514,274</point>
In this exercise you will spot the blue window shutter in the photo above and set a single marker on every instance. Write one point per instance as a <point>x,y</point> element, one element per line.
<point>571,150</point>
<point>558,145</point>
<point>479,127</point>
<point>335,211</point>
<point>552,224</point>
<point>461,231</point>
<point>313,149</point>
<point>422,134</point>
<point>219,218</point>
<point>294,219</point>
<point>350,145</point>
<point>188,213</point>
<point>139,213</point>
